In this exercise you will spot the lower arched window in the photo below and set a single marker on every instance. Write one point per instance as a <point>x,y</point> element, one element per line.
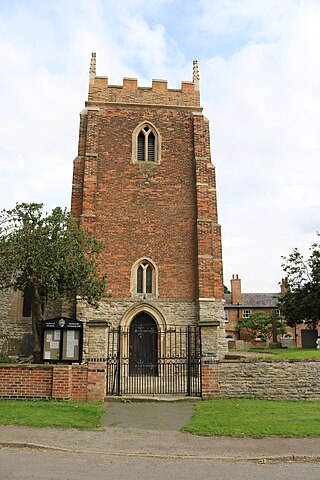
<point>144,278</point>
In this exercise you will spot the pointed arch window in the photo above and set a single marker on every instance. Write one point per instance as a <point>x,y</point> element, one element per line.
<point>144,278</point>
<point>27,302</point>
<point>146,144</point>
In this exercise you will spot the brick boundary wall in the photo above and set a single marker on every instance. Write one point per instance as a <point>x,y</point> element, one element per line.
<point>272,380</point>
<point>58,382</point>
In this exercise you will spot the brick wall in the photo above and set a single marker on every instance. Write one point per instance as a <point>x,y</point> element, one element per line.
<point>159,94</point>
<point>141,210</point>
<point>59,382</point>
<point>234,314</point>
<point>165,211</point>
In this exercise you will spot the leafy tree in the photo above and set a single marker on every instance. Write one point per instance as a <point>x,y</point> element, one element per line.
<point>226,289</point>
<point>260,325</point>
<point>49,254</point>
<point>301,302</point>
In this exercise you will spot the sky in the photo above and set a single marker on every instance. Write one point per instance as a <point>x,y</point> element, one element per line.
<point>260,88</point>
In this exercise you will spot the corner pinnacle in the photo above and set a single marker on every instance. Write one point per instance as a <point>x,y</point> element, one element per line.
<point>92,70</point>
<point>196,76</point>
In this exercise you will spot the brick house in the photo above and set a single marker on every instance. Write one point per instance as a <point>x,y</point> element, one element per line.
<point>242,305</point>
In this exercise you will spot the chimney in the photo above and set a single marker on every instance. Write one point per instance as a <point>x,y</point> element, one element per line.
<point>284,285</point>
<point>236,295</point>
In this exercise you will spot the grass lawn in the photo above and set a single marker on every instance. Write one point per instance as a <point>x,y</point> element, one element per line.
<point>39,413</point>
<point>286,353</point>
<point>255,418</point>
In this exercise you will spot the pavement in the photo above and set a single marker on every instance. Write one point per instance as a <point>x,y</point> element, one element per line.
<point>151,429</point>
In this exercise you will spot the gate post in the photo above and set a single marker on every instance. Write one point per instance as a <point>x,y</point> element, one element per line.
<point>210,386</point>
<point>97,372</point>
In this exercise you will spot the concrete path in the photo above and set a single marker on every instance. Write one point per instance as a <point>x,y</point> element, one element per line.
<point>151,430</point>
<point>148,415</point>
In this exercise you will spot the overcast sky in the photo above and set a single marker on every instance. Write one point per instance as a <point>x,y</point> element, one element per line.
<point>260,88</point>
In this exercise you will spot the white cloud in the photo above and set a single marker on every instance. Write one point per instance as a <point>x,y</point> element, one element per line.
<point>261,95</point>
<point>265,104</point>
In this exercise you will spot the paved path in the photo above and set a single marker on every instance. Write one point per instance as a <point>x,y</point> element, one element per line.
<point>151,430</point>
<point>148,415</point>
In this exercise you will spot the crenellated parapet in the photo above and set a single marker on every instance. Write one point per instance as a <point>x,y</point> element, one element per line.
<point>100,92</point>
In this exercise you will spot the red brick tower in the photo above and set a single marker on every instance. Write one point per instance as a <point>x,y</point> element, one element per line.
<point>144,184</point>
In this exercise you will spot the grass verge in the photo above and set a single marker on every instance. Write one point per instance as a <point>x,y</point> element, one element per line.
<point>281,353</point>
<point>255,418</point>
<point>290,353</point>
<point>39,413</point>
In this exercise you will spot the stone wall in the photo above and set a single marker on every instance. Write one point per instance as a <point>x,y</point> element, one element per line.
<point>272,380</point>
<point>113,313</point>
<point>16,330</point>
<point>10,331</point>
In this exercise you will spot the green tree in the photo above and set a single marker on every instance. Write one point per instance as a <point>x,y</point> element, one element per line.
<point>260,325</point>
<point>301,302</point>
<point>49,254</point>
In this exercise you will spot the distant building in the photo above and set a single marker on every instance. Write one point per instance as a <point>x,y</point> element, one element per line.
<point>242,305</point>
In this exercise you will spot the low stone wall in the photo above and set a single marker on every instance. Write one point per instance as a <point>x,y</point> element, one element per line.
<point>273,380</point>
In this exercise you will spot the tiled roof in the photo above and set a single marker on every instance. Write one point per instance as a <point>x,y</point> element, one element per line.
<point>254,300</point>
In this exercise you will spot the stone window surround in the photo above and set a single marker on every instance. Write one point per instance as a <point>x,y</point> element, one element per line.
<point>17,307</point>
<point>157,146</point>
<point>134,272</point>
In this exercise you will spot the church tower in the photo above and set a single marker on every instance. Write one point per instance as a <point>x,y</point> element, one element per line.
<point>144,185</point>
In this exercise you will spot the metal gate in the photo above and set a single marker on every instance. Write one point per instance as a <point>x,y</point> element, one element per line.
<point>142,359</point>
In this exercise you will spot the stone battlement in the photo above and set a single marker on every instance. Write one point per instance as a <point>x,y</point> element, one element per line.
<point>158,94</point>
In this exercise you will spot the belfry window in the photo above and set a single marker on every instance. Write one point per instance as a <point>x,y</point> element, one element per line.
<point>146,146</point>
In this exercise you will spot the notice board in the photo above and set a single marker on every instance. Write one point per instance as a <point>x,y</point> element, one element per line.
<point>62,340</point>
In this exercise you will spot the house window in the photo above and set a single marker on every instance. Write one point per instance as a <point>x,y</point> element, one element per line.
<point>146,144</point>
<point>246,313</point>
<point>144,278</point>
<point>277,312</point>
<point>226,316</point>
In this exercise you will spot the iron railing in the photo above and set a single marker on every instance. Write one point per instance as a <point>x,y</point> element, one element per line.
<point>145,360</point>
